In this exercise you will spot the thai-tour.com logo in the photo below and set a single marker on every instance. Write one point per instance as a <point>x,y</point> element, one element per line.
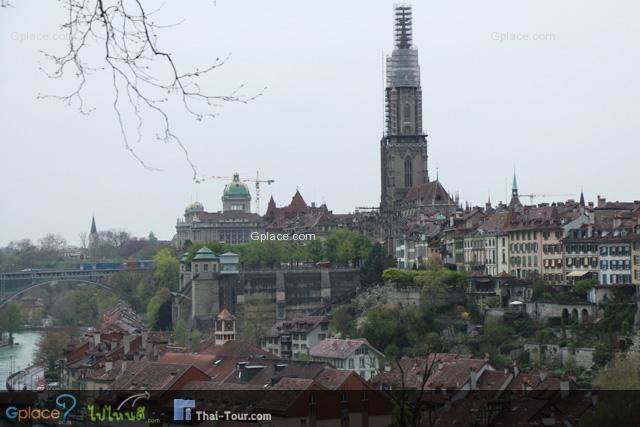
<point>185,410</point>
<point>182,409</point>
<point>65,403</point>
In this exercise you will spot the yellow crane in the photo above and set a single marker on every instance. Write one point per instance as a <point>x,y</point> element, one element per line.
<point>257,180</point>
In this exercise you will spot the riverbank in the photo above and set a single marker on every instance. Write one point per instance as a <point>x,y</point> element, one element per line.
<point>18,357</point>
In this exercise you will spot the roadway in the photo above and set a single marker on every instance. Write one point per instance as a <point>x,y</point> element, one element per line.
<point>26,380</point>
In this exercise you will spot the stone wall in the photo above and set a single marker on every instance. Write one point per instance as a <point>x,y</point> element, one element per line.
<point>262,297</point>
<point>581,357</point>
<point>259,298</point>
<point>583,313</point>
<point>394,295</point>
<point>388,295</point>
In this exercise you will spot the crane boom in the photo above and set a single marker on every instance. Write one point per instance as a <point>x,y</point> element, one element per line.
<point>531,196</point>
<point>257,180</point>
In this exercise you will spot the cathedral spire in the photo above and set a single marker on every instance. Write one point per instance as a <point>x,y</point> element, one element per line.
<point>403,27</point>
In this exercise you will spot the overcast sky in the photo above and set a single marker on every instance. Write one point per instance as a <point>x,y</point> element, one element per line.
<point>563,111</point>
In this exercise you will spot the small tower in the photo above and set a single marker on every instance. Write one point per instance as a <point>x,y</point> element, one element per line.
<point>236,196</point>
<point>271,209</point>
<point>225,327</point>
<point>515,200</point>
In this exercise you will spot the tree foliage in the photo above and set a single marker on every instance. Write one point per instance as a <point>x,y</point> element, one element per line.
<point>397,330</point>
<point>584,286</point>
<point>342,247</point>
<point>11,319</point>
<point>180,333</point>
<point>51,346</point>
<point>434,273</point>
<point>374,266</point>
<point>156,310</point>
<point>196,337</point>
<point>621,374</point>
<point>165,270</point>
<point>343,320</point>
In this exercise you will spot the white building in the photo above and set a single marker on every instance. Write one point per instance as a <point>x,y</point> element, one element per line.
<point>349,354</point>
<point>292,339</point>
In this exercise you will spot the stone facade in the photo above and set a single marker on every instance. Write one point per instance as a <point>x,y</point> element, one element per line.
<point>234,224</point>
<point>564,356</point>
<point>257,298</point>
<point>581,313</point>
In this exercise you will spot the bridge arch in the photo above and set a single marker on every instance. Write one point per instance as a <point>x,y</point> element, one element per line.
<point>113,290</point>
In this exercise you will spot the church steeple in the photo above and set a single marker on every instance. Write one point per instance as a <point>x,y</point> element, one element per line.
<point>403,27</point>
<point>94,230</point>
<point>404,146</point>
<point>515,200</point>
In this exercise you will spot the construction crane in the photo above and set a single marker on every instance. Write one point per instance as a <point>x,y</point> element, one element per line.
<point>532,196</point>
<point>257,180</point>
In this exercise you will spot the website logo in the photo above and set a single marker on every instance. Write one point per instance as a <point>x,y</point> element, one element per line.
<point>66,403</point>
<point>182,409</point>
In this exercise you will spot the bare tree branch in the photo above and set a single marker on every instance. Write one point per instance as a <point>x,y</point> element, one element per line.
<point>144,77</point>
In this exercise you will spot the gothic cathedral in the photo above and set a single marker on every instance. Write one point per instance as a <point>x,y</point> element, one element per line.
<point>403,148</point>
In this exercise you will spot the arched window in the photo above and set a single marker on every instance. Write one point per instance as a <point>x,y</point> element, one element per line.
<point>407,112</point>
<point>408,172</point>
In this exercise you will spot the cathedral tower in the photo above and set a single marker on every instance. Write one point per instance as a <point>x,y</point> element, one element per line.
<point>403,149</point>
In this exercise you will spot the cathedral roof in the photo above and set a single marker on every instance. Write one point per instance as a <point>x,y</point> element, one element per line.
<point>429,193</point>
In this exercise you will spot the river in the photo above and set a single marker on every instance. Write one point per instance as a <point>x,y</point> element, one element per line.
<point>13,359</point>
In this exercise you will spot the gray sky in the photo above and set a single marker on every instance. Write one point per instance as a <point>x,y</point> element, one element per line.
<point>563,110</point>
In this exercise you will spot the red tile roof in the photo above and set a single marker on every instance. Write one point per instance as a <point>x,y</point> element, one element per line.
<point>332,378</point>
<point>225,315</point>
<point>337,348</point>
<point>152,376</point>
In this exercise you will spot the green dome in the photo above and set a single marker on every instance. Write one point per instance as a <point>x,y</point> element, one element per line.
<point>236,188</point>
<point>194,207</point>
<point>204,253</point>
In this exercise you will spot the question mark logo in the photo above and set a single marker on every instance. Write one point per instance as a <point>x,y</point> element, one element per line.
<point>63,405</point>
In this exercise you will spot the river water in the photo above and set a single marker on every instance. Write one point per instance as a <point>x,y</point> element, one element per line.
<point>13,359</point>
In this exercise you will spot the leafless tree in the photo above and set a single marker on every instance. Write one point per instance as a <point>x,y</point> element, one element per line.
<point>83,239</point>
<point>408,393</point>
<point>145,78</point>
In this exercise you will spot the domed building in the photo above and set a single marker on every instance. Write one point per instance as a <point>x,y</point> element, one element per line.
<point>193,208</point>
<point>234,224</point>
<point>236,196</point>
